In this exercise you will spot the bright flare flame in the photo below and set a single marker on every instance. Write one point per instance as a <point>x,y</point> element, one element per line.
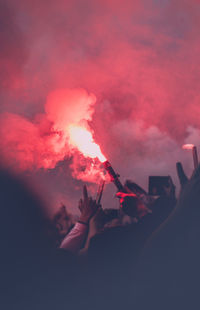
<point>82,139</point>
<point>188,146</point>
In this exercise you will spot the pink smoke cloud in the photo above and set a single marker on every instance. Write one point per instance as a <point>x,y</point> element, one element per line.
<point>139,59</point>
<point>43,142</point>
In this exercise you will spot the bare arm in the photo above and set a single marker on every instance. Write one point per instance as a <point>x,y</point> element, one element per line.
<point>76,238</point>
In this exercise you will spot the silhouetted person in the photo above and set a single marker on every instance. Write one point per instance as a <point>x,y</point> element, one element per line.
<point>33,274</point>
<point>168,271</point>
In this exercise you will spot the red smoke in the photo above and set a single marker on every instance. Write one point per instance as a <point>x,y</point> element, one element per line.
<point>42,143</point>
<point>139,59</point>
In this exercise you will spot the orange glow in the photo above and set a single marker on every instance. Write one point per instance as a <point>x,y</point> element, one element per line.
<point>188,146</point>
<point>82,139</point>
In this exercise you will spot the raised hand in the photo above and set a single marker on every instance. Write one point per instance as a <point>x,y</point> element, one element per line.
<point>183,179</point>
<point>87,207</point>
<point>190,194</point>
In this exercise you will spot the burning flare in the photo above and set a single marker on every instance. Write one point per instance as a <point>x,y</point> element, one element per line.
<point>188,146</point>
<point>81,138</point>
<point>194,153</point>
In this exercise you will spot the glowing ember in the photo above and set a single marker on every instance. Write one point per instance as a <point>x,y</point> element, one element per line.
<point>188,146</point>
<point>82,139</point>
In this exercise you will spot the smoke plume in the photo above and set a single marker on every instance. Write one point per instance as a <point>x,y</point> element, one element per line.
<point>43,142</point>
<point>129,70</point>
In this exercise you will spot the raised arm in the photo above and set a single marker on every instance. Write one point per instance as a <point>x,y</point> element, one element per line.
<point>76,238</point>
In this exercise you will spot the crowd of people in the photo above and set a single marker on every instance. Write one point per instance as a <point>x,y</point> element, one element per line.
<point>143,255</point>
